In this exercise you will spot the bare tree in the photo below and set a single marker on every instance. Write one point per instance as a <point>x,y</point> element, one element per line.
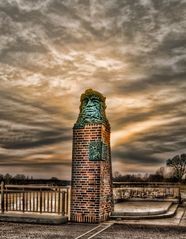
<point>160,171</point>
<point>117,174</point>
<point>7,178</point>
<point>178,163</point>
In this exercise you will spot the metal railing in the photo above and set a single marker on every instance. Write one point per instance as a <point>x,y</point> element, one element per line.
<point>35,199</point>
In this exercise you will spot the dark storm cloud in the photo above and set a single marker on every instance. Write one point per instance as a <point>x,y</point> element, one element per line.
<point>36,140</point>
<point>172,109</point>
<point>153,147</point>
<point>133,155</point>
<point>51,51</point>
<point>10,100</point>
<point>23,127</point>
<point>166,138</point>
<point>36,165</point>
<point>157,80</point>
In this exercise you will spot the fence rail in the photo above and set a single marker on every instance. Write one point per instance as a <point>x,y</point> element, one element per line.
<point>34,199</point>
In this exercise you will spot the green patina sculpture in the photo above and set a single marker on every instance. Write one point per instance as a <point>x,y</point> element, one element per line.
<point>98,151</point>
<point>95,150</point>
<point>92,109</point>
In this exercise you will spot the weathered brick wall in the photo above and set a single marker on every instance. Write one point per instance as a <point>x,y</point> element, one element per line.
<point>91,199</point>
<point>106,194</point>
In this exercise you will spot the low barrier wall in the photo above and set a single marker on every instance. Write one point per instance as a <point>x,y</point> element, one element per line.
<point>127,191</point>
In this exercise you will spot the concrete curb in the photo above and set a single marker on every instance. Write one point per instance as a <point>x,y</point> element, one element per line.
<point>36,219</point>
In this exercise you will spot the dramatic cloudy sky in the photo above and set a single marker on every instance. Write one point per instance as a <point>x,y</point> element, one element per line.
<point>133,51</point>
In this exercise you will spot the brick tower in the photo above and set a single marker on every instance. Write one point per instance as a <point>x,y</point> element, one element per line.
<point>91,199</point>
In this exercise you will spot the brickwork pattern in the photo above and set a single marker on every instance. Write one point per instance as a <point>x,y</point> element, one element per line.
<point>91,199</point>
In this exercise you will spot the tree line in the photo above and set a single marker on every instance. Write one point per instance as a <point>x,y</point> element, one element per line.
<point>20,179</point>
<point>177,166</point>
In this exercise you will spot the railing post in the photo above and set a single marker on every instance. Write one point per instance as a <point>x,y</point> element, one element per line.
<point>58,200</point>
<point>2,197</point>
<point>67,199</point>
<point>41,201</point>
<point>6,193</point>
<point>63,203</point>
<point>23,202</point>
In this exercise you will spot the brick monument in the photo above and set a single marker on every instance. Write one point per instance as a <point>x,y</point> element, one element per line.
<point>91,198</point>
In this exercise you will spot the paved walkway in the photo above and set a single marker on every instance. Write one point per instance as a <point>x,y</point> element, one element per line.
<point>36,231</point>
<point>169,228</point>
<point>72,231</point>
<point>128,231</point>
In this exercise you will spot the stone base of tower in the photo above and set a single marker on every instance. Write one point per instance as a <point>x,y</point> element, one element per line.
<point>91,195</point>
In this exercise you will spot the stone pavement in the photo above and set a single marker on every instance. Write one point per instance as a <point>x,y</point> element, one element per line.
<point>165,228</point>
<point>129,231</point>
<point>73,230</point>
<point>35,231</point>
<point>169,228</point>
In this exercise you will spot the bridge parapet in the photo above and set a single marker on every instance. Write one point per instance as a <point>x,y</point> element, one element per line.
<point>146,191</point>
